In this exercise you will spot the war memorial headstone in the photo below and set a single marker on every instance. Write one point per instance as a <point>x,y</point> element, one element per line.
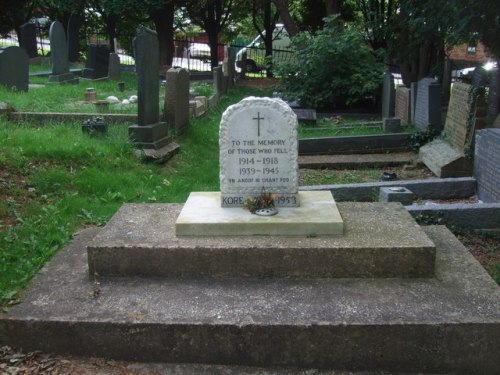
<point>403,104</point>
<point>487,165</point>
<point>452,155</point>
<point>176,112</point>
<point>14,68</point>
<point>258,150</point>
<point>149,134</point>
<point>388,95</point>
<point>428,105</point>
<point>96,66</point>
<point>59,55</point>
<point>27,39</point>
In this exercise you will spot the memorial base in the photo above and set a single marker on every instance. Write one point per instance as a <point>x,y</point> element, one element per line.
<point>317,215</point>
<point>444,160</point>
<point>153,136</point>
<point>60,79</point>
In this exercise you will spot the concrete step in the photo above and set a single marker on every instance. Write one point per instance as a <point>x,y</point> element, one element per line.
<point>379,240</point>
<point>450,323</point>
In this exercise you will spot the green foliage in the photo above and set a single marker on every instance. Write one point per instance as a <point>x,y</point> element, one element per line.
<point>420,138</point>
<point>332,68</point>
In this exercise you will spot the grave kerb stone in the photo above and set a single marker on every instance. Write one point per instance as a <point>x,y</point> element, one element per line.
<point>258,151</point>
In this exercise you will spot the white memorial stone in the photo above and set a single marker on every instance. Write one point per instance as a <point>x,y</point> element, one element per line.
<point>258,151</point>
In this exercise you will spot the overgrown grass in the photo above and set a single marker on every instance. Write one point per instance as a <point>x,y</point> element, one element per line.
<point>54,179</point>
<point>71,98</point>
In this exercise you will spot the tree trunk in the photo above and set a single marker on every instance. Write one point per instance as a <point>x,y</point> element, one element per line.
<point>164,23</point>
<point>333,7</point>
<point>290,25</point>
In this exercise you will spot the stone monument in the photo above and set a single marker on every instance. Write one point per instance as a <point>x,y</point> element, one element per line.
<point>27,39</point>
<point>258,151</point>
<point>403,104</point>
<point>388,95</point>
<point>114,68</point>
<point>149,135</point>
<point>452,155</point>
<point>59,56</point>
<point>428,105</point>
<point>74,24</point>
<point>96,66</point>
<point>14,68</point>
<point>177,100</point>
<point>487,165</point>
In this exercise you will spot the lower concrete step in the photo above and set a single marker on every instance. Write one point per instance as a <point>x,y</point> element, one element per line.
<point>379,240</point>
<point>450,323</point>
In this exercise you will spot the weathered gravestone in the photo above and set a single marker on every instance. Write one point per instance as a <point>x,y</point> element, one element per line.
<point>74,24</point>
<point>451,156</point>
<point>220,81</point>
<point>27,39</point>
<point>177,99</point>
<point>487,165</point>
<point>149,134</point>
<point>96,66</point>
<point>494,95</point>
<point>403,104</point>
<point>14,68</point>
<point>59,55</point>
<point>388,95</point>
<point>428,105</point>
<point>114,69</point>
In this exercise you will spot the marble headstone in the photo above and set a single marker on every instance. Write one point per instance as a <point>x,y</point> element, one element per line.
<point>14,68</point>
<point>258,150</point>
<point>428,105</point>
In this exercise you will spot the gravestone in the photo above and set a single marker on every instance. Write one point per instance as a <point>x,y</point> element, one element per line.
<point>428,105</point>
<point>59,56</point>
<point>220,81</point>
<point>258,150</point>
<point>487,165</point>
<point>27,39</point>
<point>448,67</point>
<point>14,68</point>
<point>479,77</point>
<point>307,115</point>
<point>451,156</point>
<point>74,24</point>
<point>494,95</point>
<point>413,100</point>
<point>96,66</point>
<point>114,69</point>
<point>388,95</point>
<point>149,134</point>
<point>403,104</point>
<point>177,100</point>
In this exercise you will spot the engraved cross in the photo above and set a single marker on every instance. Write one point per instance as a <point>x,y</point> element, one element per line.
<point>258,118</point>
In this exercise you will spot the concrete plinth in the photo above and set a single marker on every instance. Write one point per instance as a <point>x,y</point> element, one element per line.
<point>380,240</point>
<point>202,215</point>
<point>446,324</point>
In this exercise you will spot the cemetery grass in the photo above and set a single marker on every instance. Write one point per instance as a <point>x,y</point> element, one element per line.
<point>54,180</point>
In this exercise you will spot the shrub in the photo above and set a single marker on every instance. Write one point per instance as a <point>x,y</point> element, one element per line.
<point>333,68</point>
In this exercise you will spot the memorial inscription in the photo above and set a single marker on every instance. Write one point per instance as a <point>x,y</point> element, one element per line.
<point>258,150</point>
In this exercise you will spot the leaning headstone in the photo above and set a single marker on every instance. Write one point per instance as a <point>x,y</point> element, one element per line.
<point>59,55</point>
<point>96,66</point>
<point>494,95</point>
<point>428,105</point>
<point>14,68</point>
<point>74,24</point>
<point>388,95</point>
<point>177,99</point>
<point>258,151</point>
<point>403,104</point>
<point>149,134</point>
<point>27,39</point>
<point>114,68</point>
<point>487,165</point>
<point>451,156</point>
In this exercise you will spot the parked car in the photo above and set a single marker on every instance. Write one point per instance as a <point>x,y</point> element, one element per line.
<point>256,52</point>
<point>199,51</point>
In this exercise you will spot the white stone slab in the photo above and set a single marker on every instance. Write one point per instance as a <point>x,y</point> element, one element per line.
<point>258,149</point>
<point>202,215</point>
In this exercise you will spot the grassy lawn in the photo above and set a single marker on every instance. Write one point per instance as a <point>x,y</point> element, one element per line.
<point>54,179</point>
